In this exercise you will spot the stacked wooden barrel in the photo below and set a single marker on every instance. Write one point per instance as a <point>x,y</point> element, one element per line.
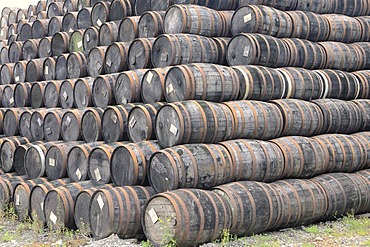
<point>176,120</point>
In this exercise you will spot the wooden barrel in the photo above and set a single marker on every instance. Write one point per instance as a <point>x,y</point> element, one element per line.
<point>364,83</point>
<point>321,7</point>
<point>35,156</point>
<point>199,20</point>
<point>301,118</point>
<point>201,82</point>
<point>152,85</point>
<point>137,157</point>
<point>61,67</point>
<point>91,125</point>
<point>108,33</point>
<point>24,124</point>
<point>82,92</point>
<point>249,160</point>
<point>7,149</point>
<point>37,123</point>
<point>55,25</point>
<point>217,5</point>
<point>340,116</point>
<point>77,162</point>
<point>59,43</point>
<point>40,15</point>
<point>365,26</point>
<point>22,94</point>
<point>66,96</point>
<point>22,14</point>
<point>30,49</point>
<point>15,51</point>
<point>4,57</point>
<point>37,198</point>
<point>364,138</point>
<point>11,121</point>
<point>255,120</point>
<point>37,94</point>
<point>34,70</point>
<point>8,96</point>
<point>141,121</point>
<point>103,89</point>
<point>91,38</point>
<point>186,206</point>
<point>52,125</point>
<point>84,18</point>
<point>76,41</point>
<point>45,47</point>
<point>70,6</point>
<point>343,28</point>
<point>25,32</point>
<point>6,73</point>
<point>4,33</point>
<point>83,3</point>
<point>222,43</point>
<point>151,24</point>
<point>56,160</point>
<point>95,61</point>
<point>129,29</point>
<point>114,123</point>
<point>71,125</point>
<point>187,117</point>
<point>100,13</point>
<point>6,190</point>
<point>346,153</point>
<point>55,9</point>
<point>77,65</point>
<point>49,68</point>
<point>31,10</point>
<point>128,86</point>
<point>120,9</point>
<point>174,49</point>
<point>141,6</point>
<point>139,54</point>
<point>51,94</point>
<point>364,106</point>
<point>22,193</point>
<point>116,58</point>
<point>303,157</point>
<point>59,205</point>
<point>99,163</point>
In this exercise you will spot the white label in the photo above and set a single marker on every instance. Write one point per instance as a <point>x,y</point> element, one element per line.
<point>100,202</point>
<point>114,118</point>
<point>68,120</point>
<point>169,89</point>
<point>246,52</point>
<point>65,95</point>
<point>42,206</point>
<point>70,30</point>
<point>16,79</point>
<point>132,122</point>
<point>150,77</point>
<point>29,57</point>
<point>153,215</point>
<point>17,200</point>
<point>39,121</point>
<point>13,31</point>
<point>247,18</point>
<point>65,9</point>
<point>2,32</point>
<point>97,174</point>
<point>124,101</point>
<point>173,129</point>
<point>109,62</point>
<point>48,131</point>
<point>46,70</point>
<point>84,100</point>
<point>88,37</point>
<point>51,162</point>
<point>99,22</point>
<point>79,44</point>
<point>11,100</point>
<point>31,13</point>
<point>53,217</point>
<point>78,174</point>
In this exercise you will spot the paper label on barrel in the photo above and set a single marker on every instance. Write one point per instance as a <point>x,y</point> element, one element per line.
<point>13,31</point>
<point>51,162</point>
<point>169,89</point>
<point>53,217</point>
<point>114,118</point>
<point>97,174</point>
<point>39,121</point>
<point>46,70</point>
<point>65,95</point>
<point>88,37</point>
<point>132,122</point>
<point>78,174</point>
<point>247,18</point>
<point>11,100</point>
<point>2,32</point>
<point>48,131</point>
<point>68,120</point>
<point>70,30</point>
<point>164,57</point>
<point>65,9</point>
<point>108,62</point>
<point>42,206</point>
<point>153,216</point>
<point>124,100</point>
<point>17,200</point>
<point>84,100</point>
<point>246,51</point>
<point>79,44</point>
<point>31,13</point>
<point>150,77</point>
<point>29,57</point>
<point>100,202</point>
<point>99,22</point>
<point>173,129</point>
<point>16,79</point>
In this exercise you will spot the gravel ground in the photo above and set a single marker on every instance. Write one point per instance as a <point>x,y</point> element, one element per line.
<point>343,232</point>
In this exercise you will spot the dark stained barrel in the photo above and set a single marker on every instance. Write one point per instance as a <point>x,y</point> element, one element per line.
<point>114,123</point>
<point>59,205</point>
<point>116,58</point>
<point>340,116</point>
<point>4,55</point>
<point>11,121</point>
<point>91,38</point>
<point>128,86</point>
<point>151,24</point>
<point>49,68</point>
<point>173,49</point>
<point>84,18</point>
<point>59,43</point>
<point>34,70</point>
<point>82,92</point>
<point>71,125</point>
<point>25,32</point>
<point>8,96</point>
<point>152,85</point>
<point>120,9</point>
<point>129,29</point>
<point>95,61</point>
<point>37,94</point>
<point>77,65</point>
<point>45,47</point>
<point>364,138</point>
<point>8,147</point>
<point>137,157</point>
<point>76,41</point>
<point>182,207</point>
<point>130,201</point>
<point>56,160</point>
<point>22,94</point>
<point>6,73</point>
<point>55,25</point>
<point>195,122</point>
<point>24,124</point>
<point>40,28</point>
<point>91,125</point>
<point>55,9</point>
<point>77,163</point>
<point>108,33</point>
<point>7,188</point>
<point>53,124</point>
<point>301,118</point>
<point>37,123</point>
<point>66,96</point>
<point>139,54</point>
<point>35,156</point>
<point>15,51</point>
<point>100,13</point>
<point>51,94</point>
<point>343,28</point>
<point>103,89</point>
<point>141,121</point>
<point>201,82</point>
<point>37,198</point>
<point>30,49</point>
<point>61,67</point>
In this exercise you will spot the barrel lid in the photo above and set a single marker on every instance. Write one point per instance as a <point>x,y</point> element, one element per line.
<point>176,84</point>
<point>245,20</point>
<point>101,214</point>
<point>35,160</point>
<point>175,20</point>
<point>161,175</point>
<point>169,126</point>
<point>241,50</point>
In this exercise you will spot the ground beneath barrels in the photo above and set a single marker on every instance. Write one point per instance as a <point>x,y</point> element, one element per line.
<point>349,231</point>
